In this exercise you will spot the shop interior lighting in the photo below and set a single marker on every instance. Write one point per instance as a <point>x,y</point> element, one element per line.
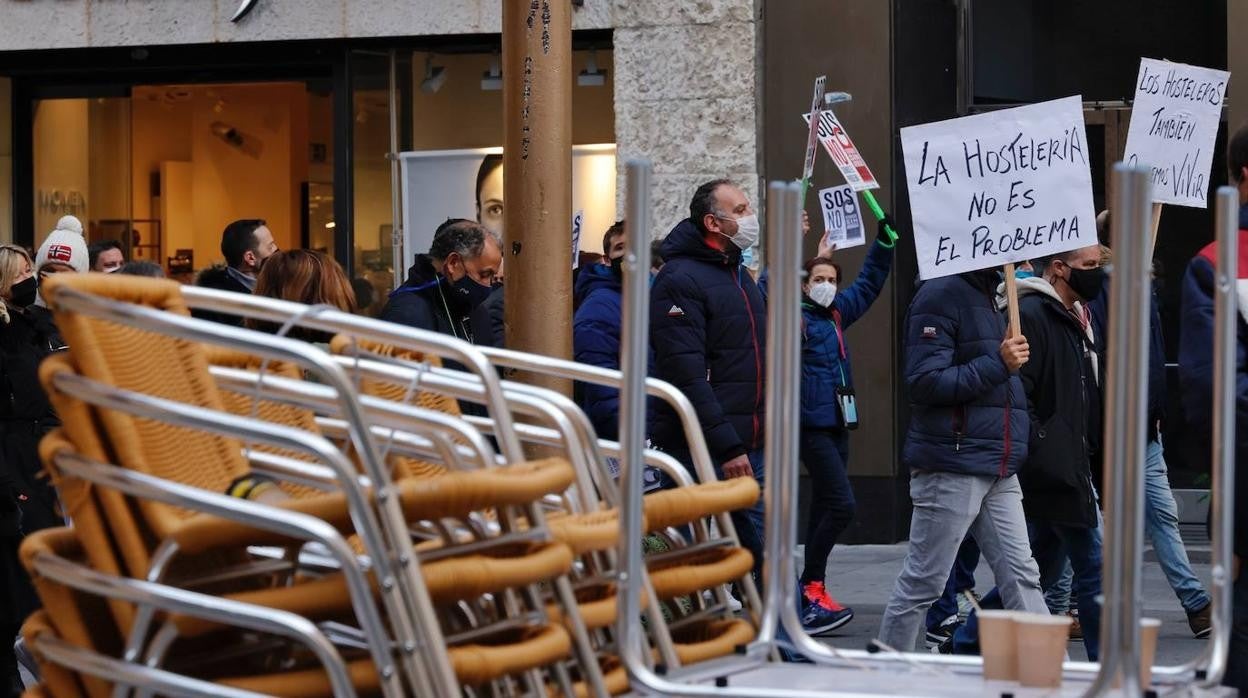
<point>435,75</point>
<point>592,76</point>
<point>492,79</point>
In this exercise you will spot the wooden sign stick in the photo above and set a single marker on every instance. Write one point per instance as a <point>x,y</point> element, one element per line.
<point>1156,224</point>
<point>1011,299</point>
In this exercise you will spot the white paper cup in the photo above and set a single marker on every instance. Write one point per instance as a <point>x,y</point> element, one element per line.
<point>1041,648</point>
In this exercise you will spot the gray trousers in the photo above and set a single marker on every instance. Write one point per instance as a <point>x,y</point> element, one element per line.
<point>946,506</point>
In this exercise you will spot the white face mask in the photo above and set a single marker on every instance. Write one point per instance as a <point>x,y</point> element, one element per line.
<point>823,293</point>
<point>747,231</point>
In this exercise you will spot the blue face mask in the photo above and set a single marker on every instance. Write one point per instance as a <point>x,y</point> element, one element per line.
<point>747,257</point>
<point>1023,274</point>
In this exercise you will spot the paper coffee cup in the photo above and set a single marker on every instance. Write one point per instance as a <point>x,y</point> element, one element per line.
<point>998,644</point>
<point>1150,629</point>
<point>1041,641</point>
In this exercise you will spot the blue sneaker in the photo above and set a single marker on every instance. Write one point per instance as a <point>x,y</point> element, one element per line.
<point>821,613</point>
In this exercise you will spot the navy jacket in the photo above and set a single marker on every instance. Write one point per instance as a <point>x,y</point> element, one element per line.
<point>1196,365</point>
<point>426,302</point>
<point>825,355</point>
<point>708,325</point>
<point>968,413</point>
<point>596,341</point>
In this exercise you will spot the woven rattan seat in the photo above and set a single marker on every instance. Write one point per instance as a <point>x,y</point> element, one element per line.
<point>701,570</point>
<point>597,604</point>
<point>456,493</point>
<point>501,654</point>
<point>709,639</point>
<point>54,679</point>
<point>681,505</point>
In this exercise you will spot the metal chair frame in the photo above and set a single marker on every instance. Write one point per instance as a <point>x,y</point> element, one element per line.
<point>336,322</point>
<point>174,600</point>
<point>188,416</point>
<point>404,593</point>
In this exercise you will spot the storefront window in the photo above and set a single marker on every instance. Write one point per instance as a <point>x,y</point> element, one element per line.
<point>164,170</point>
<point>455,167</point>
<point>371,170</point>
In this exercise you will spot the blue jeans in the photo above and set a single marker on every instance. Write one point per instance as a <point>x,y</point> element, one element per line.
<point>1052,545</point>
<point>825,453</point>
<point>1057,596</point>
<point>1237,660</point>
<point>750,523</point>
<point>1161,521</point>
<point>961,578</point>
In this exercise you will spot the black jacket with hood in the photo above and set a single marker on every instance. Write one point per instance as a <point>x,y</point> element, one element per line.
<point>1060,380</point>
<point>220,278</point>
<point>708,325</point>
<point>426,301</point>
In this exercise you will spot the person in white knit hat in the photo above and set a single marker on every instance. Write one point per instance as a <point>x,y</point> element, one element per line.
<point>65,249</point>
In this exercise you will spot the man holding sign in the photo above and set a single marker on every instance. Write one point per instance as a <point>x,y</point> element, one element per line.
<point>985,190</point>
<point>967,439</point>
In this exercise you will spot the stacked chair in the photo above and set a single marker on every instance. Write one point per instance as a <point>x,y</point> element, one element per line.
<point>255,515</point>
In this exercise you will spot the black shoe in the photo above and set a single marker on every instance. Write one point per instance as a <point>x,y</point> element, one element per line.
<point>943,632</point>
<point>1201,622</point>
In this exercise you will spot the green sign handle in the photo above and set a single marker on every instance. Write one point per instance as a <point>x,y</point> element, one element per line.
<point>879,216</point>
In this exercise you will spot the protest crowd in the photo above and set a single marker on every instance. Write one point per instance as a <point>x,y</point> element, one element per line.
<point>1004,443</point>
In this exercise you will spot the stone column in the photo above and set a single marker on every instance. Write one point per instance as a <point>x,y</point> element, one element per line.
<point>685,97</point>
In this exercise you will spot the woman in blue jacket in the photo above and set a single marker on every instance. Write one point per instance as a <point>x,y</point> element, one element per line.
<point>828,413</point>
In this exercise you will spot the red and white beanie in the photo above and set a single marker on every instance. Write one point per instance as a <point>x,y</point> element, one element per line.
<point>65,245</point>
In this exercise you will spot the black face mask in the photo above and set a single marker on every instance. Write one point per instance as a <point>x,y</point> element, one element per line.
<point>23,292</point>
<point>471,291</point>
<point>1087,283</point>
<point>617,267</point>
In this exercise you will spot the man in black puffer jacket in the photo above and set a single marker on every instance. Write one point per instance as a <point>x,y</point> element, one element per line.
<point>708,324</point>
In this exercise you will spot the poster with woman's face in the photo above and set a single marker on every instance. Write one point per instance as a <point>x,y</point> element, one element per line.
<point>441,184</point>
<point>489,190</point>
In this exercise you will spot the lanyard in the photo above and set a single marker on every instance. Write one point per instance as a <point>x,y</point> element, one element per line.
<point>840,340</point>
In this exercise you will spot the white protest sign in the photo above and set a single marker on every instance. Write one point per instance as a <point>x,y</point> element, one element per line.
<point>999,187</point>
<point>1174,123</point>
<point>842,219</point>
<point>812,140</point>
<point>843,152</point>
<point>578,221</point>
